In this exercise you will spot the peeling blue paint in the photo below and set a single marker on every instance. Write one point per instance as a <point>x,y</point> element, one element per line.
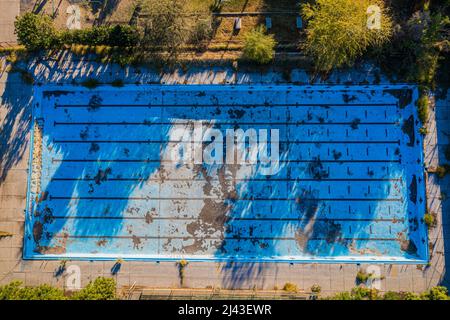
<point>350,189</point>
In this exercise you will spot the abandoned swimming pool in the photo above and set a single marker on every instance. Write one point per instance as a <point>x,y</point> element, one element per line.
<point>242,173</point>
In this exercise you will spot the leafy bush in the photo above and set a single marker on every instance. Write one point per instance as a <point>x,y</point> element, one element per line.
<point>416,47</point>
<point>166,28</point>
<point>362,293</point>
<point>362,276</point>
<point>337,32</point>
<point>290,287</point>
<point>436,293</point>
<point>423,108</point>
<point>259,47</point>
<point>316,289</point>
<point>35,32</point>
<point>392,295</point>
<point>100,289</point>
<point>114,36</point>
<point>14,291</point>
<point>202,31</point>
<point>429,220</point>
<point>426,29</point>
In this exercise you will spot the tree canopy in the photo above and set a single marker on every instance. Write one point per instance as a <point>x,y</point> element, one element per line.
<point>337,31</point>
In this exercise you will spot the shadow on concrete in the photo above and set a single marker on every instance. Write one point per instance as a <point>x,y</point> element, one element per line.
<point>103,8</point>
<point>16,103</point>
<point>443,144</point>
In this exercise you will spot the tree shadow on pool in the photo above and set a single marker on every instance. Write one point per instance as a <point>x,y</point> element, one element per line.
<point>84,189</point>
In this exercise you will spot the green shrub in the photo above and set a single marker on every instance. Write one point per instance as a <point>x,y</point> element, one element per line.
<point>402,295</point>
<point>14,291</point>
<point>423,108</point>
<point>182,264</point>
<point>259,47</point>
<point>358,293</point>
<point>167,29</point>
<point>100,289</point>
<point>423,131</point>
<point>113,36</point>
<point>361,293</point>
<point>202,31</point>
<point>429,220</point>
<point>436,293</point>
<point>316,289</point>
<point>392,295</point>
<point>362,276</point>
<point>337,32</point>
<point>290,287</point>
<point>35,32</point>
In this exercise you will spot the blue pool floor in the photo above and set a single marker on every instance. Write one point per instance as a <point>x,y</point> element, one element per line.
<point>348,187</point>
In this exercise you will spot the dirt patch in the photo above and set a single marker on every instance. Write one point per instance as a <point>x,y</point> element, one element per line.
<point>355,123</point>
<point>148,217</point>
<point>316,169</point>
<point>236,114</point>
<point>102,175</point>
<point>94,102</point>
<point>58,248</point>
<point>213,217</point>
<point>101,243</point>
<point>94,147</point>
<point>347,98</point>
<point>336,155</point>
<point>408,246</point>
<point>302,239</point>
<point>84,134</point>
<point>136,242</point>
<point>38,229</point>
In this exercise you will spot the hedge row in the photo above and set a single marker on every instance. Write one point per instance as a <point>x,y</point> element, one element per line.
<point>37,32</point>
<point>100,289</point>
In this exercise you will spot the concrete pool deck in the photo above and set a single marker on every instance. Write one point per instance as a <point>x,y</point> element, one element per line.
<point>15,124</point>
